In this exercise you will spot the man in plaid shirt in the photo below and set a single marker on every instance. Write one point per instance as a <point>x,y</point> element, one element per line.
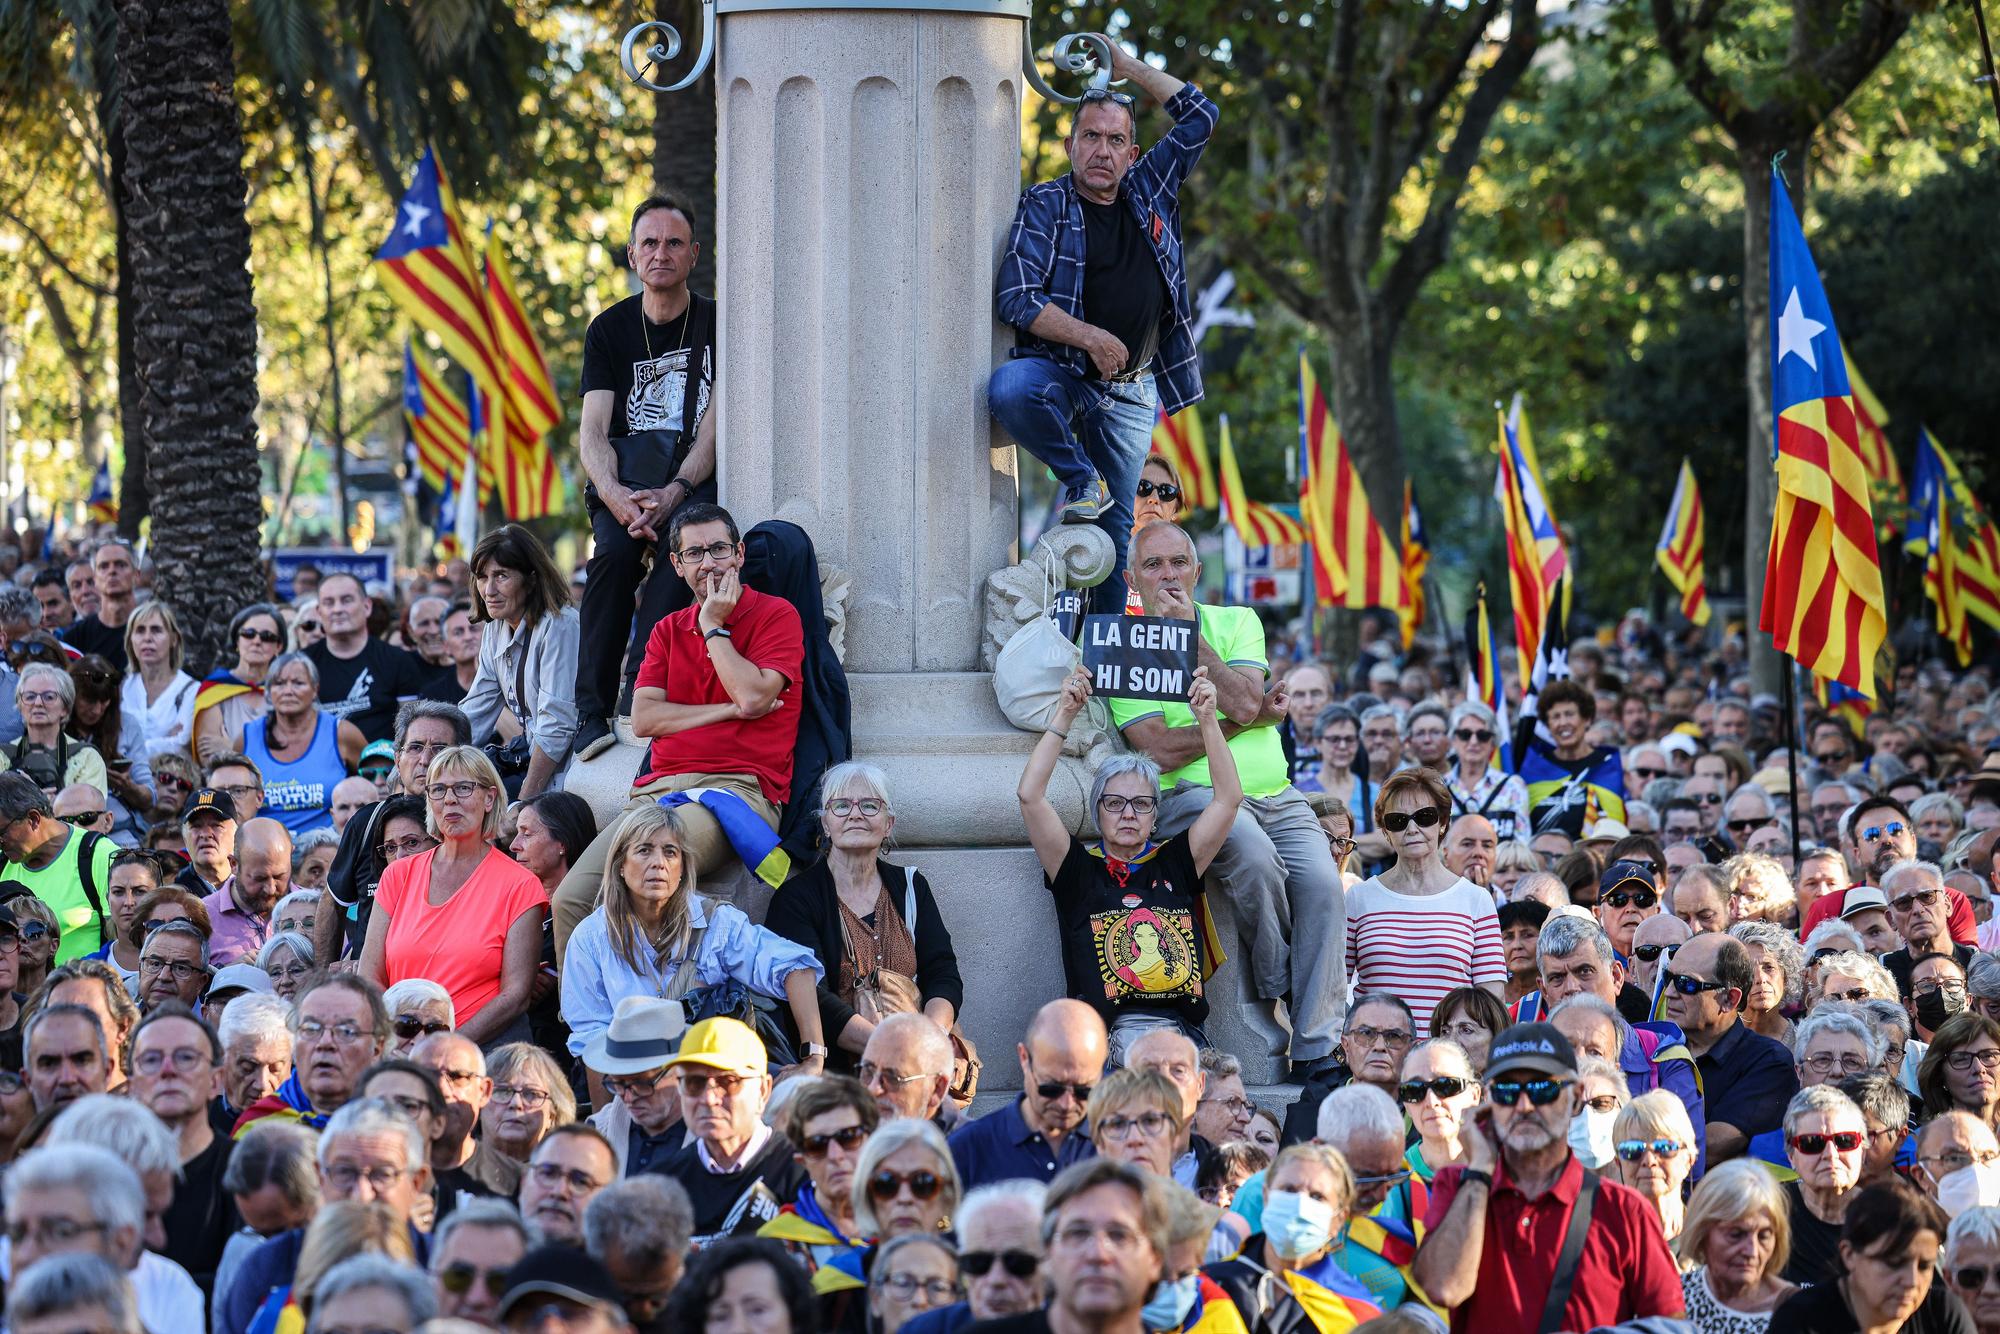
<point>1093,279</point>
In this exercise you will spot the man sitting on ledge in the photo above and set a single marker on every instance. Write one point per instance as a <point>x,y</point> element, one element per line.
<point>717,693</point>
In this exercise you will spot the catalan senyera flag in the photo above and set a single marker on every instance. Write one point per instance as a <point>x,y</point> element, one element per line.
<point>428,268</point>
<point>530,487</point>
<point>102,504</point>
<point>1256,523</point>
<point>1885,475</point>
<point>1180,439</point>
<point>1416,561</point>
<point>1536,555</point>
<point>1975,554</point>
<point>1482,673</point>
<point>436,420</point>
<point>1679,550</point>
<point>1355,564</point>
<point>1823,600</point>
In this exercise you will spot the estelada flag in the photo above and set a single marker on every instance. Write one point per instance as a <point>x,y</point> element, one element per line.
<point>1823,601</point>
<point>1680,548</point>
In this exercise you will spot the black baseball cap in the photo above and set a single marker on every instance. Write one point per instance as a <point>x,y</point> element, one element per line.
<point>1534,1048</point>
<point>211,800</point>
<point>561,1271</point>
<point>1622,872</point>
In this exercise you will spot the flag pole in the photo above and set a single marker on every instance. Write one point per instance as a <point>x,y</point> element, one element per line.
<point>1792,730</point>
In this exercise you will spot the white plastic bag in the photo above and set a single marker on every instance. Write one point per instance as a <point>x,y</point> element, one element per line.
<point>1029,672</point>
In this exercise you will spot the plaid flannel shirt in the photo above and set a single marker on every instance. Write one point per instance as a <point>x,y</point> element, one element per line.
<point>1044,258</point>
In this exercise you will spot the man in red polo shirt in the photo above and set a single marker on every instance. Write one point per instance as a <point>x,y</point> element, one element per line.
<point>1499,1235</point>
<point>717,694</point>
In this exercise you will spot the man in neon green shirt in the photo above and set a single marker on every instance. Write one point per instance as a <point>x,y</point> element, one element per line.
<point>45,856</point>
<point>1275,868</point>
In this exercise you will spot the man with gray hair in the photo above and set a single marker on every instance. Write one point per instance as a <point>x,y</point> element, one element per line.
<point>1748,809</point>
<point>66,1055</point>
<point>906,1068</point>
<point>65,1293</point>
<point>173,965</point>
<point>1920,912</point>
<point>999,1256</point>
<point>465,1168</point>
<point>1366,1126</point>
<point>256,1055</point>
<point>1275,866</point>
<point>353,1290</point>
<point>471,1252</point>
<point>639,1229</point>
<point>1224,1110</point>
<point>67,1199</point>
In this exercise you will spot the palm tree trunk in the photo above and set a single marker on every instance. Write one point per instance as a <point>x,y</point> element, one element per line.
<point>194,320</point>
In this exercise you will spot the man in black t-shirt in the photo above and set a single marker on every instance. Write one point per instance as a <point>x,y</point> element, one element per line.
<point>648,442</point>
<point>361,678</point>
<point>103,631</point>
<point>1094,280</point>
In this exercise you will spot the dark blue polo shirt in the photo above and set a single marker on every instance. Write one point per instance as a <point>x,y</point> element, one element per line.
<point>1746,1081</point>
<point>1001,1146</point>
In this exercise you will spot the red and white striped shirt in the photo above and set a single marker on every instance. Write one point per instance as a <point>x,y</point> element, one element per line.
<point>1420,946</point>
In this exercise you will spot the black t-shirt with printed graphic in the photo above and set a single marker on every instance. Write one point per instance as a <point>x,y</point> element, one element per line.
<point>369,687</point>
<point>646,366</point>
<point>1132,937</point>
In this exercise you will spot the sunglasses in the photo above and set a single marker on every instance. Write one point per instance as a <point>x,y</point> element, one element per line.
<point>1637,898</point>
<point>84,818</point>
<point>1049,1090</point>
<point>1812,1146</point>
<point>1478,734</point>
<point>1632,1150</point>
<point>409,1026</point>
<point>1652,952</point>
<point>1647,775</point>
<point>1019,1264</point>
<point>264,637</point>
<point>849,1138</point>
<point>924,1184</point>
<point>1541,1092</point>
<point>375,774</point>
<point>1905,902</point>
<point>1397,821</point>
<point>34,933</point>
<point>1875,832</point>
<point>1106,95</point>
<point>1164,492</point>
<point>457,1279</point>
<point>1445,1086</point>
<point>1693,986</point>
<point>1748,826</point>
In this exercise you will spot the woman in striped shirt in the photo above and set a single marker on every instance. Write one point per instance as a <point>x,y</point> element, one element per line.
<point>1418,930</point>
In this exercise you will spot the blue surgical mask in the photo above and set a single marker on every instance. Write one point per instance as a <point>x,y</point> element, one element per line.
<point>1173,1298</point>
<point>1297,1225</point>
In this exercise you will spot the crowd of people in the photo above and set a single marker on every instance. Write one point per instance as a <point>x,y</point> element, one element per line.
<point>325,1007</point>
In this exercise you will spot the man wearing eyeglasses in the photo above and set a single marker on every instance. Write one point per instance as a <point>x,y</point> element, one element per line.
<point>640,1113</point>
<point>1500,1247</point>
<point>471,1252</point>
<point>1748,809</point>
<point>173,965</point>
<point>1041,1132</point>
<point>566,1171</point>
<point>1746,1078</point>
<point>176,1063</point>
<point>741,1169</point>
<point>907,1067</point>
<point>1920,912</point>
<point>340,1027</point>
<point>465,1168</point>
<point>84,806</point>
<point>1094,281</point>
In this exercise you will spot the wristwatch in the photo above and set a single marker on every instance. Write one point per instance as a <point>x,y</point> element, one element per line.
<point>816,1049</point>
<point>720,631</point>
<point>1474,1174</point>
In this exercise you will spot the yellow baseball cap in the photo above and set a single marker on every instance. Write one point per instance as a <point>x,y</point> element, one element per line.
<point>728,1045</point>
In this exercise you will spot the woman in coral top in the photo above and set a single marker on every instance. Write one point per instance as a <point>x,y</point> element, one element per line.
<point>464,915</point>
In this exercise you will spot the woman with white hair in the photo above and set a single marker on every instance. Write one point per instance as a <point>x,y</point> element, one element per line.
<point>1734,1244</point>
<point>1477,785</point>
<point>905,1181</point>
<point>46,696</point>
<point>74,1290</point>
<point>1971,1264</point>
<point>371,1292</point>
<point>286,958</point>
<point>1777,977</point>
<point>418,1007</point>
<point>1129,909</point>
<point>1939,817</point>
<point>874,926</point>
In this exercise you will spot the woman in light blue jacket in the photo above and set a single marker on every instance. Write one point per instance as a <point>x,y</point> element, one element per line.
<point>652,935</point>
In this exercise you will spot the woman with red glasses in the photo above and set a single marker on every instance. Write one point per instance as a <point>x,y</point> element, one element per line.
<point>1826,1138</point>
<point>1419,930</point>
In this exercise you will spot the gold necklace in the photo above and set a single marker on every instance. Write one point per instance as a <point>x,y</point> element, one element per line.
<point>685,312</point>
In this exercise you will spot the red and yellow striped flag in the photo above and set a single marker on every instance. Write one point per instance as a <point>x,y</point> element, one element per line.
<point>1885,475</point>
<point>1355,564</point>
<point>1416,561</point>
<point>1256,523</point>
<point>1679,550</point>
<point>529,484</point>
<point>437,422</point>
<point>1179,438</point>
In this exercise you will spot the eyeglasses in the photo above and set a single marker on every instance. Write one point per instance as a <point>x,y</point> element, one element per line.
<point>1445,1086</point>
<point>1812,1146</point>
<point>528,1097</point>
<point>1388,1037</point>
<point>288,972</point>
<point>1076,1236</point>
<point>410,1107</point>
<point>1340,846</point>
<point>180,968</point>
<point>693,1085</point>
<point>1637,898</point>
<point>1118,805</point>
<point>240,790</point>
<point>11,1083</point>
<point>1632,1150</point>
<point>1234,1106</point>
<point>551,1175</point>
<point>1905,902</point>
<point>885,1185</point>
<point>715,551</point>
<point>1825,1063</point>
<point>414,747</point>
<point>870,1073</point>
<point>1876,832</point>
<point>1390,1179</point>
<point>1953,1160</point>
<point>461,790</point>
<point>412,1025</point>
<point>842,807</point>
<point>905,1287</point>
<point>1164,492</point>
<point>186,1060</point>
<point>1020,1264</point>
<point>1541,1092</point>
<point>1477,735</point>
<point>397,849</point>
<point>1648,953</point>
<point>637,1085</point>
<point>50,1233</point>
<point>1964,1060</point>
<point>1397,821</point>
<point>380,1179</point>
<point>1951,990</point>
<point>1689,985</point>
<point>1973,1277</point>
<point>1740,827</point>
<point>458,1277</point>
<point>39,696</point>
<point>265,636</point>
<point>1152,1125</point>
<point>312,1030</point>
<point>849,1138</point>
<point>34,933</point>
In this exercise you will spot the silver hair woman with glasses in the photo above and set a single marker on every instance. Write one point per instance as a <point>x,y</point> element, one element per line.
<point>45,697</point>
<point>1477,785</point>
<point>866,918</point>
<point>1127,899</point>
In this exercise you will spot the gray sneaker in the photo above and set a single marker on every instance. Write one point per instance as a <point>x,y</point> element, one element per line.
<point>1084,504</point>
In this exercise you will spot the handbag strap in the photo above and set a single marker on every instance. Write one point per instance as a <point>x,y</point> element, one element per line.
<point>1572,1251</point>
<point>521,680</point>
<point>910,901</point>
<point>683,977</point>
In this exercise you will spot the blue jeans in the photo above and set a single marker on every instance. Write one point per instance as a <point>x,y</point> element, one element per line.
<point>1082,429</point>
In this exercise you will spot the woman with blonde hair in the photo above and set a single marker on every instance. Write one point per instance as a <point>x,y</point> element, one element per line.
<point>463,914</point>
<point>1655,1144</point>
<point>340,1229</point>
<point>1513,860</point>
<point>1735,1240</point>
<point>156,691</point>
<point>1759,889</point>
<point>1138,1117</point>
<point>652,935</point>
<point>1309,1194</point>
<point>531,1097</point>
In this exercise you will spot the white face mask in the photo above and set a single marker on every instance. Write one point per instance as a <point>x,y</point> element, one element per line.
<point>1590,1137</point>
<point>1969,1187</point>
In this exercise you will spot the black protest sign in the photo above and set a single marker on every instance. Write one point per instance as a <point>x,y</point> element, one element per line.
<point>1139,657</point>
